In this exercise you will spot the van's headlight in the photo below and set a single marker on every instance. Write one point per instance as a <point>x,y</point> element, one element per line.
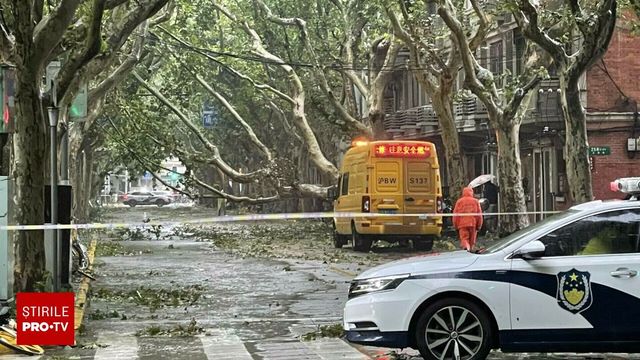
<point>365,286</point>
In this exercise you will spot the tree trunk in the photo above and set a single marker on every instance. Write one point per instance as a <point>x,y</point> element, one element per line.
<point>443,106</point>
<point>28,171</point>
<point>512,197</point>
<point>315,153</point>
<point>80,194</point>
<point>576,148</point>
<point>376,113</point>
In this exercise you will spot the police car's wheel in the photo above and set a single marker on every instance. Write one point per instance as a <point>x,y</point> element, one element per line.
<point>454,329</point>
<point>359,241</point>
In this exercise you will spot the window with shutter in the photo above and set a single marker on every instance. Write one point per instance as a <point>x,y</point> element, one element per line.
<point>521,47</point>
<point>508,51</point>
<point>496,61</point>
<point>484,56</point>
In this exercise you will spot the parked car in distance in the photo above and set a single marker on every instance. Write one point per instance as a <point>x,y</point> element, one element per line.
<point>147,198</point>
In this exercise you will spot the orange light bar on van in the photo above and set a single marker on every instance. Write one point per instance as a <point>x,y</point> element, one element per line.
<point>360,141</point>
<point>402,150</point>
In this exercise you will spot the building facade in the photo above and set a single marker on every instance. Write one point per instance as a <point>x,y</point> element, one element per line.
<point>610,91</point>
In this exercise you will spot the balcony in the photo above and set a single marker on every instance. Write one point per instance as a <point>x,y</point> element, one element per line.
<point>422,121</point>
<point>547,105</point>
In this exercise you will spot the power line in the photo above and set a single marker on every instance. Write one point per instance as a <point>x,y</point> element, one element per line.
<point>334,66</point>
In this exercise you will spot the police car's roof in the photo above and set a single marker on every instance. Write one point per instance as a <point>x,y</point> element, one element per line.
<point>598,205</point>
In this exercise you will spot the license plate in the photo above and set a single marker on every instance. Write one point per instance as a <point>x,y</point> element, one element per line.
<point>388,211</point>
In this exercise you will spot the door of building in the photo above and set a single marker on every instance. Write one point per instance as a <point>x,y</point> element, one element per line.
<point>543,159</point>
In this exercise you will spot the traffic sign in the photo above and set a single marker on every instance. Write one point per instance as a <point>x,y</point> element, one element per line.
<point>209,115</point>
<point>599,150</point>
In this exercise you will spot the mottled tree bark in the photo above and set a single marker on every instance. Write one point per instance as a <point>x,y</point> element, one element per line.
<point>576,150</point>
<point>28,171</point>
<point>442,101</point>
<point>512,196</point>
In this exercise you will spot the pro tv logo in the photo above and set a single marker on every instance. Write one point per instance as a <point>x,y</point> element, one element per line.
<point>45,318</point>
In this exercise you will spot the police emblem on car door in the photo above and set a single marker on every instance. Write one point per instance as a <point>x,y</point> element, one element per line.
<point>574,290</point>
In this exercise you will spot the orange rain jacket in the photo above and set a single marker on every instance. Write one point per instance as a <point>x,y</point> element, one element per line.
<point>467,204</point>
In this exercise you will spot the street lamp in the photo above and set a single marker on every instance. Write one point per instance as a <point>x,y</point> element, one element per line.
<point>53,123</point>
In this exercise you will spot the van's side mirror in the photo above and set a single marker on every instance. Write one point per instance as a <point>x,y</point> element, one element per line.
<point>531,250</point>
<point>332,192</point>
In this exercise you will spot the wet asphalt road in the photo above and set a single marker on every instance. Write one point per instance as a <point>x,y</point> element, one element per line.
<point>243,308</point>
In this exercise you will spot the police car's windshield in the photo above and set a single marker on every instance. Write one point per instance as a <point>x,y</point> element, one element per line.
<point>510,239</point>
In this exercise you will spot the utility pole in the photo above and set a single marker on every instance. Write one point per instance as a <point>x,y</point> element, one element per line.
<point>53,124</point>
<point>64,156</point>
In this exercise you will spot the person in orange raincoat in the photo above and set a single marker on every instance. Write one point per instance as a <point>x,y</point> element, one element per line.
<point>469,225</point>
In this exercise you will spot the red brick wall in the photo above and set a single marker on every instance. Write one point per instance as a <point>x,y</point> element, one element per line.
<point>610,167</point>
<point>622,61</point>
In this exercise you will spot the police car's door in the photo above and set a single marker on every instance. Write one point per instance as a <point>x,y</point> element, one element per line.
<point>585,290</point>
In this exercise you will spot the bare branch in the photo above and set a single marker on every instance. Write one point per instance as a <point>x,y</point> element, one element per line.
<point>233,71</point>
<point>115,41</point>
<point>112,4</point>
<point>527,19</point>
<point>597,38</point>
<point>357,81</point>
<point>297,93</point>
<point>252,135</point>
<point>88,51</point>
<point>167,14</point>
<point>240,199</point>
<point>578,17</point>
<point>123,70</point>
<point>216,159</point>
<point>387,66</point>
<point>516,100</point>
<point>483,26</point>
<point>37,8</point>
<point>48,32</point>
<point>319,71</point>
<point>486,93</point>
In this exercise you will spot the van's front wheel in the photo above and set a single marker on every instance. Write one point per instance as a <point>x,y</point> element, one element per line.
<point>339,240</point>
<point>359,241</point>
<point>424,243</point>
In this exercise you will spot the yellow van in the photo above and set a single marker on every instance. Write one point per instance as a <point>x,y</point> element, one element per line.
<point>390,177</point>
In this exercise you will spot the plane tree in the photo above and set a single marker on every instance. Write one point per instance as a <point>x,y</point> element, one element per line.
<point>87,34</point>
<point>577,44</point>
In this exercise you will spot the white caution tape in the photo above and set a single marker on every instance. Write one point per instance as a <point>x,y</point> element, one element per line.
<point>257,217</point>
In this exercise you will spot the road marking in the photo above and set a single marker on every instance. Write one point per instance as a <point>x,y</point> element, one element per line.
<point>322,349</point>
<point>228,347</point>
<point>119,347</point>
<point>331,349</point>
<point>342,271</point>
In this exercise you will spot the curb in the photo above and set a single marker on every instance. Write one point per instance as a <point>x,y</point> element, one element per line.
<point>81,295</point>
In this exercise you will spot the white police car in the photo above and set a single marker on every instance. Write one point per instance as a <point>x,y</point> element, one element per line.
<point>566,284</point>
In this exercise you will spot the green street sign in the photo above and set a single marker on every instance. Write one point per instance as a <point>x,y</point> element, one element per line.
<point>599,150</point>
<point>78,108</point>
